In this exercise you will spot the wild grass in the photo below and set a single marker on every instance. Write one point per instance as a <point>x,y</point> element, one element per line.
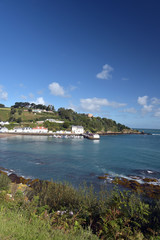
<point>4,114</point>
<point>25,115</point>
<point>15,224</point>
<point>49,210</point>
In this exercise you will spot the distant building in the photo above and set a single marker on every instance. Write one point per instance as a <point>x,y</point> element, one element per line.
<point>40,122</point>
<point>27,130</point>
<point>4,123</point>
<point>36,110</point>
<point>40,130</point>
<point>3,130</point>
<point>18,130</point>
<point>90,115</point>
<point>77,129</point>
<point>54,120</point>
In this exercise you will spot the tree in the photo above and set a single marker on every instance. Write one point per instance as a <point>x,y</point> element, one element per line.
<point>2,105</point>
<point>19,120</point>
<point>66,124</point>
<point>19,111</point>
<point>13,110</point>
<point>12,119</point>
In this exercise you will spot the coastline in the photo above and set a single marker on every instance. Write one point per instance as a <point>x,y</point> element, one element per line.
<point>7,134</point>
<point>149,187</point>
<point>4,135</point>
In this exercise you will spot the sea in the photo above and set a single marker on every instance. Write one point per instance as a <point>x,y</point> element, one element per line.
<point>82,160</point>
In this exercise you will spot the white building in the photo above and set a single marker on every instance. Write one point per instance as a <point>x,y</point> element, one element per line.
<point>4,123</point>
<point>3,130</point>
<point>40,130</point>
<point>54,120</point>
<point>27,130</point>
<point>77,129</point>
<point>36,110</point>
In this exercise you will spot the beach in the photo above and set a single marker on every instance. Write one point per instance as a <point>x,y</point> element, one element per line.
<point>3,135</point>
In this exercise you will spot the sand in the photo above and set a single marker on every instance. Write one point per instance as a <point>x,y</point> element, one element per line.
<point>3,135</point>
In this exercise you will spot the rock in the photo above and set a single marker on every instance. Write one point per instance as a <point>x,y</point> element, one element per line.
<point>14,178</point>
<point>150,180</point>
<point>102,177</point>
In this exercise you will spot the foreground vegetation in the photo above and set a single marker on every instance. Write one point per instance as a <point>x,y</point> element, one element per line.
<point>21,113</point>
<point>48,210</point>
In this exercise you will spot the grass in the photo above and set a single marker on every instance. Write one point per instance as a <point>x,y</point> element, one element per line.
<point>48,210</point>
<point>25,116</point>
<point>15,224</point>
<point>4,114</point>
<point>22,219</point>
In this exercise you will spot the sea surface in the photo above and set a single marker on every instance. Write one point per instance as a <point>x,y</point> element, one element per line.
<point>79,160</point>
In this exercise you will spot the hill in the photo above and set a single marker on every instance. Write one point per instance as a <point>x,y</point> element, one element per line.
<point>26,114</point>
<point>4,114</point>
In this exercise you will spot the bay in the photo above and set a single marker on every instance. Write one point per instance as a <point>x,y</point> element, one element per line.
<point>78,160</point>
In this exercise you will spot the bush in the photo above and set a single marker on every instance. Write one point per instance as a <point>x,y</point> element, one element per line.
<point>4,182</point>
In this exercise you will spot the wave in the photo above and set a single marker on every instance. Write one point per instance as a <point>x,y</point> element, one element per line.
<point>111,176</point>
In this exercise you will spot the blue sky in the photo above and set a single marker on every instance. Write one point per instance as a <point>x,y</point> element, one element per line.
<point>100,57</point>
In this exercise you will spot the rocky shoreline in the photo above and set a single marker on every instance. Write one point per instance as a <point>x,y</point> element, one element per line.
<point>18,179</point>
<point>149,187</point>
<point>123,133</point>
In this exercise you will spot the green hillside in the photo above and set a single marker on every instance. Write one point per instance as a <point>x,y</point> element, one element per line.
<point>4,114</point>
<point>23,114</point>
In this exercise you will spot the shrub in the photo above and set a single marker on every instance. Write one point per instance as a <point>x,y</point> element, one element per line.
<point>4,182</point>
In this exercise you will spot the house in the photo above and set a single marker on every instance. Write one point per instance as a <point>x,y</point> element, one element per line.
<point>54,120</point>
<point>40,130</point>
<point>18,130</point>
<point>90,115</point>
<point>36,111</point>
<point>77,129</point>
<point>4,123</point>
<point>27,130</point>
<point>40,122</point>
<point>3,130</point>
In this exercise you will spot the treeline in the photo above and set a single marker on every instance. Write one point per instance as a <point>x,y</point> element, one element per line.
<point>93,124</point>
<point>2,105</point>
<point>70,117</point>
<point>32,106</point>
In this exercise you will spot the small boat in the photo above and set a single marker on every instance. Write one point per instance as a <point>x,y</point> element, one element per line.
<point>93,136</point>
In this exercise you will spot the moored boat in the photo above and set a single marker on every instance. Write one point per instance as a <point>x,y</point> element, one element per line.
<point>94,136</point>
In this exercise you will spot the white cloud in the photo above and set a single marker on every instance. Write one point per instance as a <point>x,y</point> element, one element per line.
<point>155,101</point>
<point>129,110</point>
<point>95,104</point>
<point>157,113</point>
<point>71,106</point>
<point>3,94</point>
<point>56,89</point>
<point>142,100</point>
<point>147,109</point>
<point>105,73</point>
<point>40,100</point>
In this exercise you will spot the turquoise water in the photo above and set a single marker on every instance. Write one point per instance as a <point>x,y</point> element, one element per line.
<point>78,160</point>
